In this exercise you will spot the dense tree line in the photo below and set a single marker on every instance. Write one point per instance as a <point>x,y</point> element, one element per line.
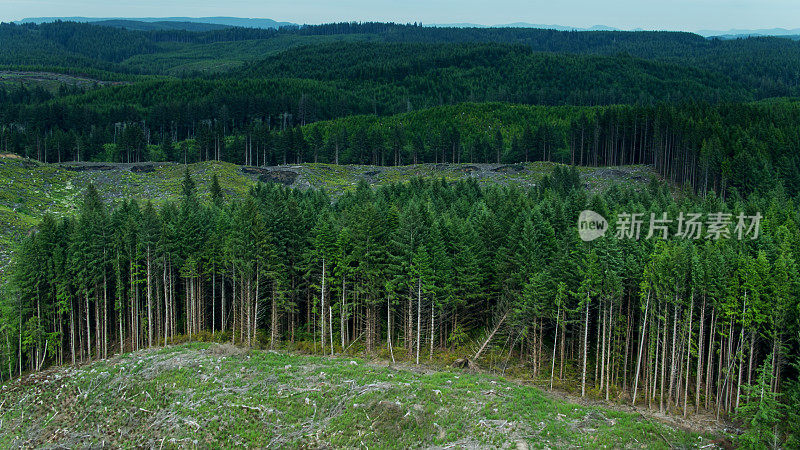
<point>767,64</point>
<point>720,148</point>
<point>423,75</point>
<point>742,147</point>
<point>411,270</point>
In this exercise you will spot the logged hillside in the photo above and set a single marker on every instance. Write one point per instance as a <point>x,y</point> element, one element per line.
<point>219,395</point>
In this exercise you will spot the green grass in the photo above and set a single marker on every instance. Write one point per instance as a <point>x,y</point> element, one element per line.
<point>217,395</point>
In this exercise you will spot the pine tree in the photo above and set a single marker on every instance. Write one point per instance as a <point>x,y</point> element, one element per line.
<point>760,411</point>
<point>215,190</point>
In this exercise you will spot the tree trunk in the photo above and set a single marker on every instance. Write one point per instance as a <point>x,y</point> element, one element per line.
<point>419,314</point>
<point>555,344</point>
<point>610,340</point>
<point>603,350</point>
<point>388,327</point>
<point>149,303</point>
<point>342,319</point>
<point>322,307</point>
<point>88,329</point>
<point>641,347</point>
<point>688,355</point>
<point>105,311</point>
<point>585,345</point>
<point>672,360</point>
<point>700,338</point>
<point>430,355</point>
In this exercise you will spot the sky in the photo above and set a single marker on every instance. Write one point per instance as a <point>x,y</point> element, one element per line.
<point>687,15</point>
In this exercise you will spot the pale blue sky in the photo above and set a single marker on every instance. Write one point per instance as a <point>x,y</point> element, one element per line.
<point>690,15</point>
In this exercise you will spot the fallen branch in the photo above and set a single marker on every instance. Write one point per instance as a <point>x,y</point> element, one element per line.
<point>252,408</point>
<point>354,341</point>
<point>491,335</point>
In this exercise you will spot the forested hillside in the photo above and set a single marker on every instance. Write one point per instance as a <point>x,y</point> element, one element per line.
<point>749,147</point>
<point>691,113</point>
<point>411,270</point>
<point>459,249</point>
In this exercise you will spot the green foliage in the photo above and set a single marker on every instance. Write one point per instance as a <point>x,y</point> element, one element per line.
<point>761,411</point>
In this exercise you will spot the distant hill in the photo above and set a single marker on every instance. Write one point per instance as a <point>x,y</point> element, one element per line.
<point>737,33</point>
<point>163,21</point>
<point>722,34</point>
<point>197,24</point>
<point>524,25</point>
<point>162,25</point>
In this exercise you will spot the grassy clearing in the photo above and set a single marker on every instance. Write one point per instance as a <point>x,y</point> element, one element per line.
<point>214,395</point>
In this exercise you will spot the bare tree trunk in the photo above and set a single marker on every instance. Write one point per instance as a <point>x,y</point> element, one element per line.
<point>641,347</point>
<point>555,344</point>
<point>343,319</point>
<point>105,311</point>
<point>71,332</point>
<point>88,330</point>
<point>710,357</point>
<point>149,303</point>
<point>750,357</point>
<point>322,307</point>
<point>672,360</point>
<point>430,355</point>
<point>688,356</point>
<point>663,361</point>
<point>419,314</point>
<point>274,322</point>
<point>166,305</point>
<point>603,350</point>
<point>222,300</point>
<point>585,344</point>
<point>740,354</point>
<point>700,338</point>
<point>256,302</point>
<point>388,326</point>
<point>121,331</point>
<point>233,304</point>
<point>610,341</point>
<point>213,298</point>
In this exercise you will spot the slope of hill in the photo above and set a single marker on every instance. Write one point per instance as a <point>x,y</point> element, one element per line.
<point>219,395</point>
